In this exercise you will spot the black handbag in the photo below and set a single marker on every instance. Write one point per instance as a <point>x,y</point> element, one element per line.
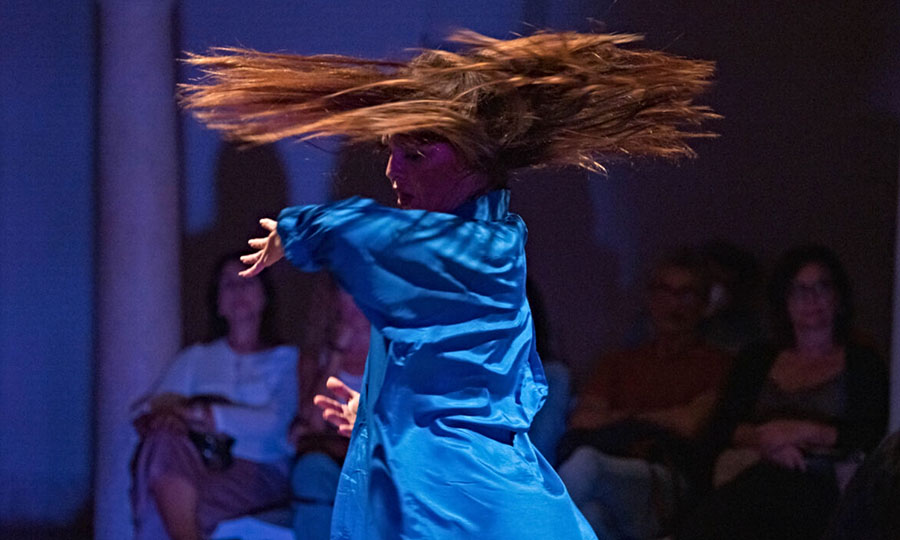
<point>214,448</point>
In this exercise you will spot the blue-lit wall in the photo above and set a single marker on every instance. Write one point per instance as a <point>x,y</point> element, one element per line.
<point>46,270</point>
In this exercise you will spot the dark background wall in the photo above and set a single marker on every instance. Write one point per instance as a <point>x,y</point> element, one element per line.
<point>807,152</point>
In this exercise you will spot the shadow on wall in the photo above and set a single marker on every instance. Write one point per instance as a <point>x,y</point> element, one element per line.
<point>250,184</point>
<point>579,280</point>
<point>359,170</point>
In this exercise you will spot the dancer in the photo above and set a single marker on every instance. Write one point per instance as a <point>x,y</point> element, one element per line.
<point>439,446</point>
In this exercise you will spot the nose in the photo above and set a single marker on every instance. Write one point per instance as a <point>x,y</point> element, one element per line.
<point>388,171</point>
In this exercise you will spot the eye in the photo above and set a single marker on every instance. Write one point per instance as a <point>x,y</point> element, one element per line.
<point>413,154</point>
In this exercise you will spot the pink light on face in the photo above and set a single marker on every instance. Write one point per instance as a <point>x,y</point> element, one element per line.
<point>812,301</point>
<point>430,176</point>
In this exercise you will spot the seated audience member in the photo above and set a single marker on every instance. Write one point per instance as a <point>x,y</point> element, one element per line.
<point>628,456</point>
<point>342,351</point>
<point>214,429</point>
<point>793,412</point>
<point>731,321</point>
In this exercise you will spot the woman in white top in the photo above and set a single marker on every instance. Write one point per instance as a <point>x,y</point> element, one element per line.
<point>214,429</point>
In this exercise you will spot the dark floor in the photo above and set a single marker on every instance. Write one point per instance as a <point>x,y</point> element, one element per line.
<point>37,532</point>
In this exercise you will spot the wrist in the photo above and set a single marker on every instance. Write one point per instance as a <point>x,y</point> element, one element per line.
<point>200,416</point>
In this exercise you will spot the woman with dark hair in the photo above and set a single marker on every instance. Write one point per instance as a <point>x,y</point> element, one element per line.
<point>439,445</point>
<point>218,324</point>
<point>795,414</point>
<point>213,430</point>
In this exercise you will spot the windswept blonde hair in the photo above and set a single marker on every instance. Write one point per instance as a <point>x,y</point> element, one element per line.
<point>552,98</point>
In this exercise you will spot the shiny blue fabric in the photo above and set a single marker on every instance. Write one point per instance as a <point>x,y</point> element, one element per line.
<point>440,446</point>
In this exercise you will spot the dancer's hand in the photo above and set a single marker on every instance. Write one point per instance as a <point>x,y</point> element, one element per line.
<point>339,412</point>
<point>269,250</point>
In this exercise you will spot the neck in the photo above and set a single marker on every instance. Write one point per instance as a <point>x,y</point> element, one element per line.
<point>669,344</point>
<point>814,342</point>
<point>243,337</point>
<point>470,185</point>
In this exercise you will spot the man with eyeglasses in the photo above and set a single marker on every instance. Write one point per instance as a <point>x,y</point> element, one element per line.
<point>628,457</point>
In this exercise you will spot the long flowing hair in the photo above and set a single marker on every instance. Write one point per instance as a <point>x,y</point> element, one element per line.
<point>552,98</point>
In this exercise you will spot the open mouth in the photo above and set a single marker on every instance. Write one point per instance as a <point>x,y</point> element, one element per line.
<point>404,199</point>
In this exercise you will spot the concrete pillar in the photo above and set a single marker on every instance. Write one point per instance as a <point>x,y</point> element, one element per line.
<point>894,367</point>
<point>884,93</point>
<point>138,320</point>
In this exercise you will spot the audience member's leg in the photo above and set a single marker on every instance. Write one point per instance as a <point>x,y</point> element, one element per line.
<point>167,472</point>
<point>176,496</point>
<point>243,488</point>
<point>314,483</point>
<point>627,498</point>
<point>176,500</point>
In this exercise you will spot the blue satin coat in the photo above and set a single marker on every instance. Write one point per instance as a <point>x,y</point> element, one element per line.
<point>440,446</point>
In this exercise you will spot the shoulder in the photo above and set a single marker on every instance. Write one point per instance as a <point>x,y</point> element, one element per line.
<point>282,354</point>
<point>760,353</point>
<point>752,364</point>
<point>200,351</point>
<point>711,353</point>
<point>711,361</point>
<point>864,360</point>
<point>629,360</point>
<point>861,353</point>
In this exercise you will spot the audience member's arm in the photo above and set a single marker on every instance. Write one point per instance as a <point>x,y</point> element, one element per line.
<point>593,411</point>
<point>593,407</point>
<point>686,420</point>
<point>776,433</point>
<point>784,441</point>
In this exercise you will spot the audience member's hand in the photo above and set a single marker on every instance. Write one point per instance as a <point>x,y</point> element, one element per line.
<point>775,435</point>
<point>340,412</point>
<point>269,250</point>
<point>177,419</point>
<point>165,421</point>
<point>789,457</point>
<point>198,417</point>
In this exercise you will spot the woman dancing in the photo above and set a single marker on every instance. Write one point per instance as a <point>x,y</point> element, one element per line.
<point>439,446</point>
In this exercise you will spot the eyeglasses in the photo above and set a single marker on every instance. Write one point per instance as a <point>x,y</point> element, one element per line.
<point>683,294</point>
<point>810,291</point>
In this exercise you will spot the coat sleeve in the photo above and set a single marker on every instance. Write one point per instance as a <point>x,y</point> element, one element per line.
<point>409,268</point>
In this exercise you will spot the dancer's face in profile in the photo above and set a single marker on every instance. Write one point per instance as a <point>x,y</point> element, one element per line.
<point>430,175</point>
